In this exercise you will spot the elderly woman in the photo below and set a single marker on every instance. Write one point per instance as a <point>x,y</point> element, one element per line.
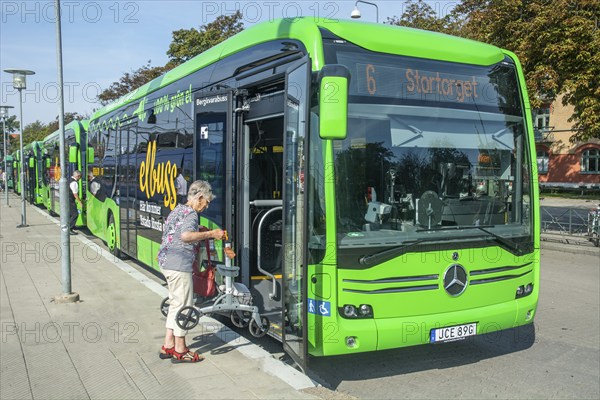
<point>176,257</point>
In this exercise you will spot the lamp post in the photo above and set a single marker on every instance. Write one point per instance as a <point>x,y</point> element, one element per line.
<point>356,12</point>
<point>67,295</point>
<point>20,83</point>
<point>4,116</point>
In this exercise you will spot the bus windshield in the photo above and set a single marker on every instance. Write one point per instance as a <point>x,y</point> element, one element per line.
<point>435,151</point>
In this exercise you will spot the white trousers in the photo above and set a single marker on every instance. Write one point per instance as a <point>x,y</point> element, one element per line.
<point>181,294</point>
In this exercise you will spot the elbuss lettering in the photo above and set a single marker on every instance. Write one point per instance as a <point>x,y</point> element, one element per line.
<point>158,178</point>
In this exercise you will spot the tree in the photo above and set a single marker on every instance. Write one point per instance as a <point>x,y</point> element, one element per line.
<point>37,131</point>
<point>69,117</point>
<point>12,125</point>
<point>188,43</point>
<point>420,15</point>
<point>131,81</point>
<point>558,44</point>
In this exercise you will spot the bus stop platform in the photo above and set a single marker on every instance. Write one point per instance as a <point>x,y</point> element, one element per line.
<point>106,345</point>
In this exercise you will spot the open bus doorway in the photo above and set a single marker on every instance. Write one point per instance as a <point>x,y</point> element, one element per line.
<point>250,205</point>
<point>264,170</point>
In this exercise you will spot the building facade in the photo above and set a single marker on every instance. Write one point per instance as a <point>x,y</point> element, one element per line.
<point>562,164</point>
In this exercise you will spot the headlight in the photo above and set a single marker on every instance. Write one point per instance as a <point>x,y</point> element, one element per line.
<point>524,290</point>
<point>520,291</point>
<point>365,310</point>
<point>349,311</point>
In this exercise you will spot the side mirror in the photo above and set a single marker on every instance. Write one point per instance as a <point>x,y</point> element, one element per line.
<point>334,81</point>
<point>90,155</point>
<point>72,154</point>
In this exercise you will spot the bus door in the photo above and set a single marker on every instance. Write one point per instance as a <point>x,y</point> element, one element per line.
<point>214,160</point>
<point>126,186</point>
<point>259,133</point>
<point>30,183</point>
<point>294,212</point>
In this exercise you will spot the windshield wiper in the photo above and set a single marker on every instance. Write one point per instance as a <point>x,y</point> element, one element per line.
<point>500,239</point>
<point>396,251</point>
<point>456,228</point>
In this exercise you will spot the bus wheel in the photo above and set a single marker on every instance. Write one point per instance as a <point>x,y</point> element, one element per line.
<point>259,331</point>
<point>111,236</point>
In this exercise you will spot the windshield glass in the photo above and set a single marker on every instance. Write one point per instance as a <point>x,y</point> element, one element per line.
<point>435,151</point>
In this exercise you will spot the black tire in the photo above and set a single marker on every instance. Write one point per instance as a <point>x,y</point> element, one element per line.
<point>111,237</point>
<point>187,318</point>
<point>258,331</point>
<point>164,306</point>
<point>240,319</point>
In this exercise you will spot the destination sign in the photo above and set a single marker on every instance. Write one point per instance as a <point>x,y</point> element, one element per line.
<point>451,84</point>
<point>378,80</point>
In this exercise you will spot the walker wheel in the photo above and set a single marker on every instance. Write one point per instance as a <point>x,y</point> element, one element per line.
<point>240,319</point>
<point>164,306</point>
<point>259,331</point>
<point>187,318</point>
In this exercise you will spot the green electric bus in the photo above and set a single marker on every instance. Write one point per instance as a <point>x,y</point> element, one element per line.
<point>9,171</point>
<point>75,154</point>
<point>33,172</point>
<point>17,171</point>
<point>378,183</point>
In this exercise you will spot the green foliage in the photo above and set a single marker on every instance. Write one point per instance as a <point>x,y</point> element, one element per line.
<point>34,131</point>
<point>38,130</point>
<point>131,81</point>
<point>12,125</point>
<point>188,43</point>
<point>420,15</point>
<point>557,42</point>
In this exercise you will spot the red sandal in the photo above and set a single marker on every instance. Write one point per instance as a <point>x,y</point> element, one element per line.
<point>165,353</point>
<point>186,356</point>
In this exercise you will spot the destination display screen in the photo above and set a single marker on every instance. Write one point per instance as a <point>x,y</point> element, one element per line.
<point>418,80</point>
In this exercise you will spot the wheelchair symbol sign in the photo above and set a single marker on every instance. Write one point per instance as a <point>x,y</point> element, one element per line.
<point>319,307</point>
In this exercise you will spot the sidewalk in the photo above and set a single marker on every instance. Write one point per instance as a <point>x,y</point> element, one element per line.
<point>569,244</point>
<point>106,346</point>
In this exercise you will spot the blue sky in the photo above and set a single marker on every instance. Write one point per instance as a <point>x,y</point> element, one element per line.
<point>102,39</point>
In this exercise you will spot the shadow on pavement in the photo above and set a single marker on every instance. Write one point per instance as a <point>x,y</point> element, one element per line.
<point>363,366</point>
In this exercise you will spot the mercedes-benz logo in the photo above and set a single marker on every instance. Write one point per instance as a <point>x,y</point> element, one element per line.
<point>455,280</point>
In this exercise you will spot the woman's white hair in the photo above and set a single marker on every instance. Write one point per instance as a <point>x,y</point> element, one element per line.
<point>200,188</point>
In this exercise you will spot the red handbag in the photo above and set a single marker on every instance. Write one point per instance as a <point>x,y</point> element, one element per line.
<point>203,276</point>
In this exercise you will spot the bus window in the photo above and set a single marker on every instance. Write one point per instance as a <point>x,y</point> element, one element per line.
<point>211,168</point>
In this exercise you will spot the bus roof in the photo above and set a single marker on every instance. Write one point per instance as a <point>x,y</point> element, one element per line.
<point>375,37</point>
<point>76,125</point>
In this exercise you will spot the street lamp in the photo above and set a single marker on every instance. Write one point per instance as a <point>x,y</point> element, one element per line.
<point>20,83</point>
<point>4,116</point>
<point>356,12</point>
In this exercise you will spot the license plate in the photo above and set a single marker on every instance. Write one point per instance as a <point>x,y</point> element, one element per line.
<point>452,333</point>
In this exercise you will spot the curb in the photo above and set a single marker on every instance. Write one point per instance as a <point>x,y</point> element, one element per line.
<point>270,365</point>
<point>568,244</point>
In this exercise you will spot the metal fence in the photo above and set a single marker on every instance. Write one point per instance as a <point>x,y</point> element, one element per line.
<point>573,223</point>
<point>569,221</point>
